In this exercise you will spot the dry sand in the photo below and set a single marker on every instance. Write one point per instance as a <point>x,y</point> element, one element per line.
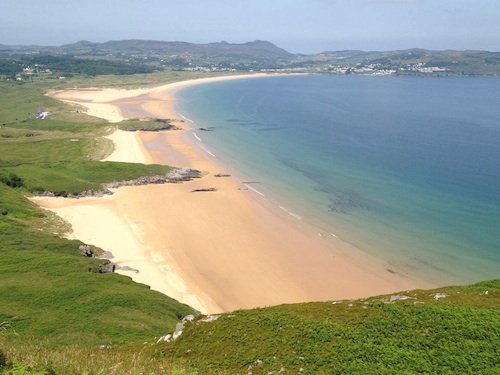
<point>217,251</point>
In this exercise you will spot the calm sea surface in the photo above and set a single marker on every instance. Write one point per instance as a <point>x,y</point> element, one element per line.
<point>405,168</point>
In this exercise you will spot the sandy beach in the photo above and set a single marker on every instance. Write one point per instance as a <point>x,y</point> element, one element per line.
<point>216,251</point>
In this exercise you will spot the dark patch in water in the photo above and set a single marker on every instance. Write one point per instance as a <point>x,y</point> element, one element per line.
<point>340,201</point>
<point>345,201</point>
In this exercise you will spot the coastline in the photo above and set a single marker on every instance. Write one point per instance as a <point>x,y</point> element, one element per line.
<point>217,251</point>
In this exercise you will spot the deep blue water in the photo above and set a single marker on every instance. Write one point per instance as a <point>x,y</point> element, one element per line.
<point>404,168</point>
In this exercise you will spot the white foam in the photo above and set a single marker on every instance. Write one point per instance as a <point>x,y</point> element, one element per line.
<point>207,151</point>
<point>291,213</point>
<point>196,136</point>
<point>254,190</point>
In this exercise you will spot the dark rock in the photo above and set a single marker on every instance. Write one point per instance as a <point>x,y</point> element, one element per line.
<point>86,251</point>
<point>203,189</point>
<point>174,176</point>
<point>106,267</point>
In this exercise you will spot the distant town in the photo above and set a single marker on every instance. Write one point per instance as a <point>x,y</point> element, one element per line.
<point>25,63</point>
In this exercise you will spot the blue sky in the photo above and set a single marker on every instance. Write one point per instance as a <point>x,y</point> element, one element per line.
<point>296,25</point>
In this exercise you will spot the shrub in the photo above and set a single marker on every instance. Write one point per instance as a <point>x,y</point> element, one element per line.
<point>12,180</point>
<point>3,359</point>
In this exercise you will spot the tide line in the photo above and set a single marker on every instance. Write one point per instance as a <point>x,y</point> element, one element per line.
<point>290,213</point>
<point>255,190</point>
<point>185,118</point>
<point>207,151</point>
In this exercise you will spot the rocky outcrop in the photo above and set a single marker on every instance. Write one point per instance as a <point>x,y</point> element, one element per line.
<point>176,175</point>
<point>106,267</point>
<point>82,194</point>
<point>440,295</point>
<point>398,297</point>
<point>172,177</point>
<point>179,328</point>
<point>86,251</point>
<point>210,318</point>
<point>94,252</point>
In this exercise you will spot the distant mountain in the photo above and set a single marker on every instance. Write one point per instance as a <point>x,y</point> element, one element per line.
<point>258,49</point>
<point>257,55</point>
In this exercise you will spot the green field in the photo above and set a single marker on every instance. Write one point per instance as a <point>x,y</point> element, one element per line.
<point>58,315</point>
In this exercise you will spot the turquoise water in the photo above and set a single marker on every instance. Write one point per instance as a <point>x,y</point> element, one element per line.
<point>405,168</point>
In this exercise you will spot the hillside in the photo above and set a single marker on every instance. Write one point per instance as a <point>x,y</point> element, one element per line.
<point>144,56</point>
<point>414,61</point>
<point>453,330</point>
<point>255,50</point>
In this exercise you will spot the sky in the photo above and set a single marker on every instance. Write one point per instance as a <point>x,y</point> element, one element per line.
<point>300,26</point>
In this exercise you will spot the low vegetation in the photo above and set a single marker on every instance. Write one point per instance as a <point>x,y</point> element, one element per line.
<point>65,66</point>
<point>146,125</point>
<point>453,330</point>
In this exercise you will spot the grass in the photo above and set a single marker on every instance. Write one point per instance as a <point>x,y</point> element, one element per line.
<point>145,125</point>
<point>48,292</point>
<point>62,157</point>
<point>458,334</point>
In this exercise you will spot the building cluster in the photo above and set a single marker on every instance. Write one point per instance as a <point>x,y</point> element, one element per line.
<point>421,68</point>
<point>382,70</point>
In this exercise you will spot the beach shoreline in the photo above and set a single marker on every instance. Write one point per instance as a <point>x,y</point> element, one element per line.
<point>216,251</point>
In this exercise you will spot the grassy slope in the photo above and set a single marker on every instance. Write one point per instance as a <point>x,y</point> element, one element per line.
<point>48,294</point>
<point>454,335</point>
<point>458,334</point>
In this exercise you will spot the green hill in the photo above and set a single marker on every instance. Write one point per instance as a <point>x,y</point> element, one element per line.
<point>142,56</point>
<point>453,330</point>
<point>257,49</point>
<point>456,334</point>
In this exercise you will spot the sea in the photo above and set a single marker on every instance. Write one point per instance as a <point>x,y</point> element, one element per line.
<point>407,169</point>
